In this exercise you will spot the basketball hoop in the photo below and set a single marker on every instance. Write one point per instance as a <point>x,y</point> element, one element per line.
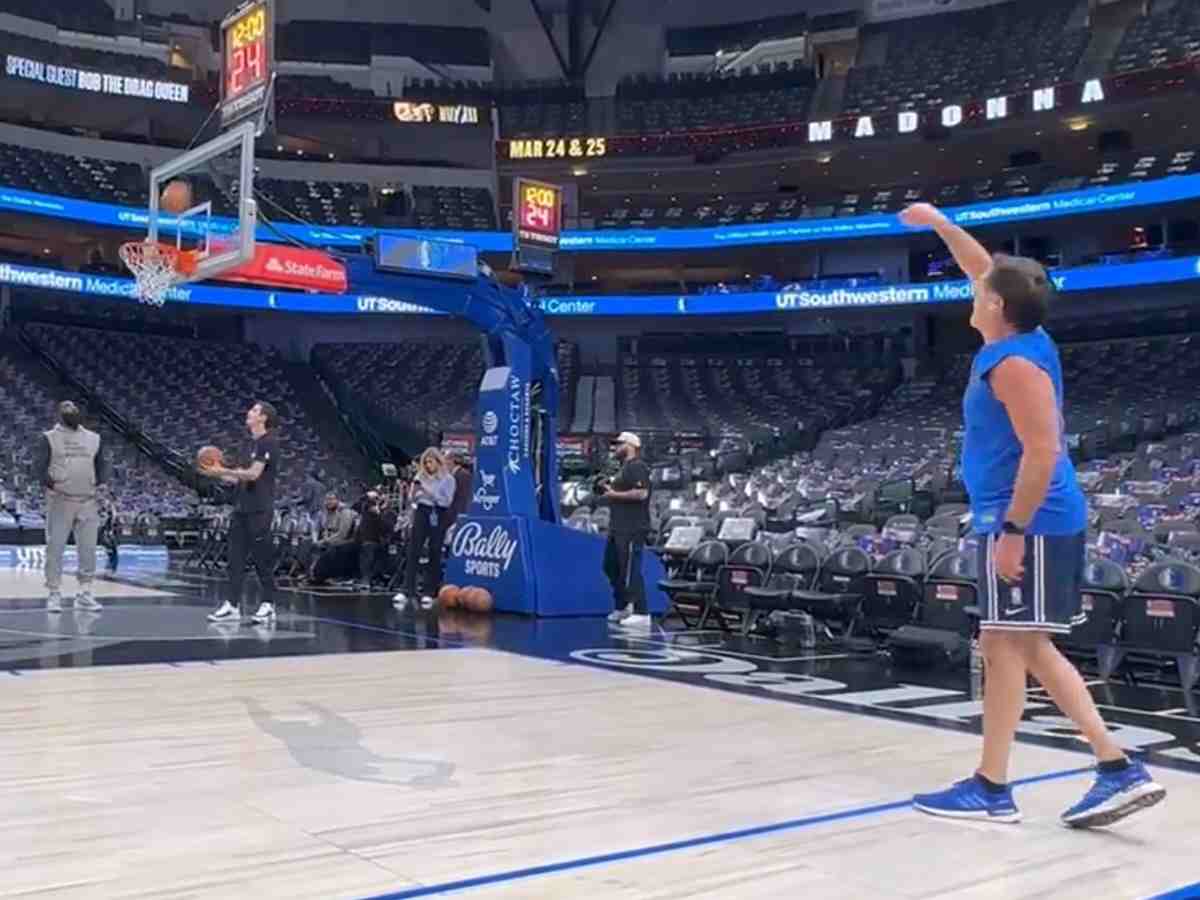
<point>155,266</point>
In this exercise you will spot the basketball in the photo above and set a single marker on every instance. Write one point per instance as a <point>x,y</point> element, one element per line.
<point>475,599</point>
<point>448,596</point>
<point>486,601</point>
<point>209,456</point>
<point>176,197</point>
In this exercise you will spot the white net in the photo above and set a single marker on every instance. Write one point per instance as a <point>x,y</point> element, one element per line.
<point>154,267</point>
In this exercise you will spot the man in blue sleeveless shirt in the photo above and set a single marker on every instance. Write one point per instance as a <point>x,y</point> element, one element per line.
<point>1031,518</point>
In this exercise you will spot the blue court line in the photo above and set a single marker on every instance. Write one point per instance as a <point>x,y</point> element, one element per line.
<point>723,837</point>
<point>1187,892</point>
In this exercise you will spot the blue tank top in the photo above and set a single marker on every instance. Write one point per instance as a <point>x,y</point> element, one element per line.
<point>991,452</point>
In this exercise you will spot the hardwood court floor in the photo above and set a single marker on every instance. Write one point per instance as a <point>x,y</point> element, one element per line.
<point>400,774</point>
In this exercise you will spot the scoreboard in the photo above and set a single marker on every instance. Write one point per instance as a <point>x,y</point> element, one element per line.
<point>537,225</point>
<point>247,61</point>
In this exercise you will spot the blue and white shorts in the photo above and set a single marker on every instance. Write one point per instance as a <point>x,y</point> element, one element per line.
<point>1049,595</point>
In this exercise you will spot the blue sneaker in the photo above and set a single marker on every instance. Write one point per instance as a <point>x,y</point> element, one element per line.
<point>969,799</point>
<point>1114,796</point>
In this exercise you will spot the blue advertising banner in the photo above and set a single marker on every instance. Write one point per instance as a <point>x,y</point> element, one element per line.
<point>141,558</point>
<point>1023,209</point>
<point>796,298</point>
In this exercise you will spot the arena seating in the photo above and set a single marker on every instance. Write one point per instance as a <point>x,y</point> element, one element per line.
<point>713,39</point>
<point>1168,34</point>
<point>336,41</point>
<point>29,394</point>
<point>427,386</point>
<point>781,93</point>
<point>466,208</point>
<point>764,396</point>
<point>320,202</point>
<point>86,57</point>
<point>997,50</point>
<point>185,394</point>
<point>72,176</point>
<point>92,16</point>
<point>469,209</point>
<point>685,211</point>
<point>534,109</point>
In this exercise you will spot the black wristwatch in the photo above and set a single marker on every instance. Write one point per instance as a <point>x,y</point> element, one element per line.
<point>1011,528</point>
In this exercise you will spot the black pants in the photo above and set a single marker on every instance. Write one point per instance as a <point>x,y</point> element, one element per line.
<point>250,538</point>
<point>428,527</point>
<point>623,566</point>
<point>367,553</point>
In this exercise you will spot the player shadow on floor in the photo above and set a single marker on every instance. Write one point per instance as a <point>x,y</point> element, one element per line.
<point>333,744</point>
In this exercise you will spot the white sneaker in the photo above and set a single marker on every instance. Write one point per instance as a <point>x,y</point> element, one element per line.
<point>85,601</point>
<point>621,614</point>
<point>638,621</point>
<point>426,602</point>
<point>400,601</point>
<point>265,614</point>
<point>54,602</point>
<point>226,612</point>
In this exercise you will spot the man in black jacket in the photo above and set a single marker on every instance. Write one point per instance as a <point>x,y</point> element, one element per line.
<point>375,527</point>
<point>629,499</point>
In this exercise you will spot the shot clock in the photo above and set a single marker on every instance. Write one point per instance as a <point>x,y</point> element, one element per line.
<point>247,61</point>
<point>537,225</point>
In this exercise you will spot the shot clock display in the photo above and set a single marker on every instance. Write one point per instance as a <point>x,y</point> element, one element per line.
<point>537,224</point>
<point>247,61</point>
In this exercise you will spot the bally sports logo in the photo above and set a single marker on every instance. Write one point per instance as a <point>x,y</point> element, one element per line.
<point>488,556</point>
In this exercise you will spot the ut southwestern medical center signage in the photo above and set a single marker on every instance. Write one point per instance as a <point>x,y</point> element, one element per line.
<point>95,82</point>
<point>795,298</point>
<point>1175,189</point>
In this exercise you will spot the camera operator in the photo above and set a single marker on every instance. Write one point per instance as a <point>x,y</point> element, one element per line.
<point>629,497</point>
<point>375,526</point>
<point>432,494</point>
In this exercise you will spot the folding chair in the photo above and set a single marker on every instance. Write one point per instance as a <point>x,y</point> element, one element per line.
<point>748,566</point>
<point>696,581</point>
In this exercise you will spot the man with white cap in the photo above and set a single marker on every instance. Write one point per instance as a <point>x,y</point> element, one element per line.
<point>629,498</point>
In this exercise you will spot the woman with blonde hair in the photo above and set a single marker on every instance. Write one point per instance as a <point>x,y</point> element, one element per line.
<point>432,494</point>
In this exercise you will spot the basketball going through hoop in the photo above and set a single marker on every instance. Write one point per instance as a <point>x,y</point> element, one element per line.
<point>156,268</point>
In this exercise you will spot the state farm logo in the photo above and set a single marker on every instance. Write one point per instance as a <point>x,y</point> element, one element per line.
<point>316,271</point>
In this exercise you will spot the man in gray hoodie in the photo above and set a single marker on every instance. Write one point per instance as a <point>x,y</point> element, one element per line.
<point>69,460</point>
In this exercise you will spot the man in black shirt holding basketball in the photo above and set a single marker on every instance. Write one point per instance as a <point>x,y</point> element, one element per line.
<point>250,534</point>
<point>629,526</point>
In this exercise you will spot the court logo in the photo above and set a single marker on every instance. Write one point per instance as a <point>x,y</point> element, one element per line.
<point>488,556</point>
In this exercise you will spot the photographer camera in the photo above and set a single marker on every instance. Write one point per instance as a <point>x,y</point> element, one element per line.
<point>375,526</point>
